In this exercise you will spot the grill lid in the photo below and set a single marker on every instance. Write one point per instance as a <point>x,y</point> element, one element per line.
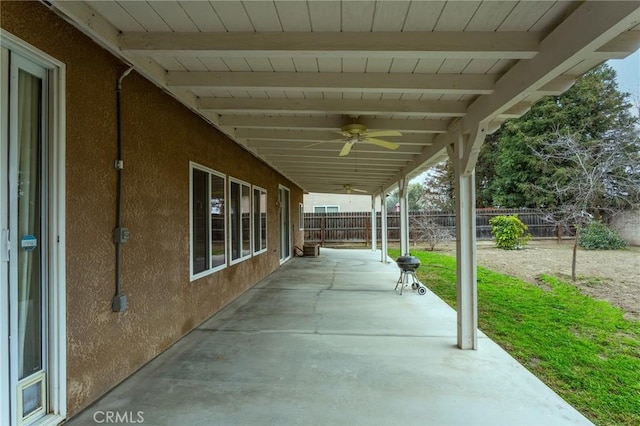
<point>408,261</point>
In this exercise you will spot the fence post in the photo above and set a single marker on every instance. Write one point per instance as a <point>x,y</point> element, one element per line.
<point>323,225</point>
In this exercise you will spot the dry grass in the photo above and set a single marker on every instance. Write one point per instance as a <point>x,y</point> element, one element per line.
<point>611,275</point>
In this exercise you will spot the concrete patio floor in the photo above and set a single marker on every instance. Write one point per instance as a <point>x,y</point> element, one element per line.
<point>327,341</point>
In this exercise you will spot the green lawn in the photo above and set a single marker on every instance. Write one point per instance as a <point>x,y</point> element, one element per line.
<point>580,347</point>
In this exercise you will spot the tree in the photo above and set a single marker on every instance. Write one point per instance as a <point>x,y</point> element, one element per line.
<point>415,198</point>
<point>427,230</point>
<point>439,187</point>
<point>510,174</point>
<point>486,170</point>
<point>601,177</point>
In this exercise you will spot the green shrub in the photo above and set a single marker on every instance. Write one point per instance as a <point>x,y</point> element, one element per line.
<point>509,231</point>
<point>596,236</point>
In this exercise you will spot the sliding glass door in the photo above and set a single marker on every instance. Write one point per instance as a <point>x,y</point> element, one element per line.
<point>23,220</point>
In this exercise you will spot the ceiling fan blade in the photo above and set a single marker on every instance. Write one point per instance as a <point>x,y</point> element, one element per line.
<point>349,189</point>
<point>346,149</point>
<point>380,142</point>
<point>383,133</point>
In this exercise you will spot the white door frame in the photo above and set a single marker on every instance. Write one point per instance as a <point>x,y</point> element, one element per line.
<point>56,318</point>
<point>4,249</point>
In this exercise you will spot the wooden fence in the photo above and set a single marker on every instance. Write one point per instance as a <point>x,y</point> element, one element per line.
<point>355,227</point>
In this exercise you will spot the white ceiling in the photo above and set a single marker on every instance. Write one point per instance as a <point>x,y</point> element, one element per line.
<point>280,76</point>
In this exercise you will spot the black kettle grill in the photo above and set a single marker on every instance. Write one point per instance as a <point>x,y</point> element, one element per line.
<point>408,265</point>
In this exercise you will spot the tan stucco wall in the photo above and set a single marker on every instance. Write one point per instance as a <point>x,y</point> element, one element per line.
<point>160,138</point>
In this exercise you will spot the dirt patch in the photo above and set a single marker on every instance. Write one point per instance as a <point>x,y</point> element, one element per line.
<point>612,275</point>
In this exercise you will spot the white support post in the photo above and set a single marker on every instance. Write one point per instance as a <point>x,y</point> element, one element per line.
<point>374,236</point>
<point>383,225</point>
<point>404,216</point>
<point>467,287</point>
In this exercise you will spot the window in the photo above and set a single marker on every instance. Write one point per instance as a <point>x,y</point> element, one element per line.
<point>240,220</point>
<point>284,198</point>
<point>259,220</point>
<point>300,216</point>
<point>326,209</point>
<point>208,223</point>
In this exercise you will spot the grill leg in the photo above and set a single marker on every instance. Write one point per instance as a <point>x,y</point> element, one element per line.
<point>401,281</point>
<point>404,280</point>
<point>415,282</point>
<point>413,278</point>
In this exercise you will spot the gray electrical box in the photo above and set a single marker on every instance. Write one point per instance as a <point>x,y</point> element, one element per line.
<point>121,235</point>
<point>119,303</point>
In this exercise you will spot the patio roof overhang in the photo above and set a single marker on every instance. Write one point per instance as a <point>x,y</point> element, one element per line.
<point>280,77</point>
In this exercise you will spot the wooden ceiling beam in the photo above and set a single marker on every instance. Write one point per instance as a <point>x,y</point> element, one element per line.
<point>320,136</point>
<point>333,81</point>
<point>332,123</point>
<point>334,149</point>
<point>361,156</point>
<point>436,44</point>
<point>349,162</point>
<point>329,168</point>
<point>336,106</point>
<point>618,48</point>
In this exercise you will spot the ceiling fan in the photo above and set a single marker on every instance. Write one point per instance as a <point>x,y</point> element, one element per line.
<point>349,189</point>
<point>357,133</point>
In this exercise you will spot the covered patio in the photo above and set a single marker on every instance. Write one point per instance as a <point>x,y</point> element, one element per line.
<point>173,142</point>
<point>327,340</point>
<point>310,87</point>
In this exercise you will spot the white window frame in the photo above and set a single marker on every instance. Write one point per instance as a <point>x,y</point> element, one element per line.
<point>57,312</point>
<point>325,207</point>
<point>282,218</point>
<point>301,217</point>
<point>258,232</point>
<point>194,276</point>
<point>242,258</point>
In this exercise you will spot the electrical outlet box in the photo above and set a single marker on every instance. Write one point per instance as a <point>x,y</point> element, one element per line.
<point>121,235</point>
<point>119,303</point>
